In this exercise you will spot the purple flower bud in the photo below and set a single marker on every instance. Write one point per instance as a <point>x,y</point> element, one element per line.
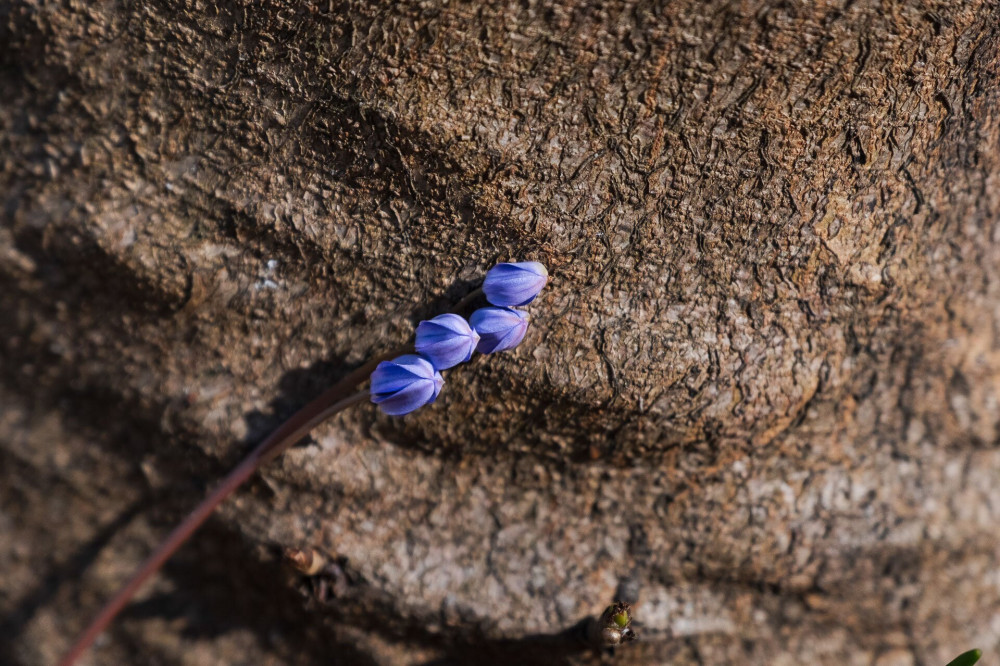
<point>446,340</point>
<point>508,285</point>
<point>498,328</point>
<point>405,383</point>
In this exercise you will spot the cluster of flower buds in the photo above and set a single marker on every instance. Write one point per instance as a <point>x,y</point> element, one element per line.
<point>411,381</point>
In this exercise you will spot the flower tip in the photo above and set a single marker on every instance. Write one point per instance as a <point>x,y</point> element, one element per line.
<point>405,384</point>
<point>446,340</point>
<point>539,268</point>
<point>499,328</point>
<point>514,284</point>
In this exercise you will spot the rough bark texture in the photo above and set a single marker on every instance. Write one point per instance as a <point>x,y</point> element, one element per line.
<point>761,395</point>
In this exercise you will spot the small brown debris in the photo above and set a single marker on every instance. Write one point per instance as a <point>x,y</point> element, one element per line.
<point>308,561</point>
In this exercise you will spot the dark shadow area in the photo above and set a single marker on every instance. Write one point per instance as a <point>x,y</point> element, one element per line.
<point>339,591</point>
<point>299,386</point>
<point>542,649</point>
<point>222,585</point>
<point>453,296</point>
<point>67,572</point>
<point>295,389</point>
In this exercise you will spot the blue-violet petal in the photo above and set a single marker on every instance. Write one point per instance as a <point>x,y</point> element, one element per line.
<point>508,285</point>
<point>446,340</point>
<point>404,384</point>
<point>499,329</point>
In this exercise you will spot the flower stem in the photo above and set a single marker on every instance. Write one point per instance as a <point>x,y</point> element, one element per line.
<point>466,300</point>
<point>333,400</point>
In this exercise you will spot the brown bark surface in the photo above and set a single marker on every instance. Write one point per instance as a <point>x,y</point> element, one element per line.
<point>760,396</point>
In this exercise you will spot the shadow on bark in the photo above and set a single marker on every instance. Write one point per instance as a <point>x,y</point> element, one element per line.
<point>67,572</point>
<point>543,649</point>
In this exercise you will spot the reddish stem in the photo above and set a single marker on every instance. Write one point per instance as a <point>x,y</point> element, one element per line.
<point>333,400</point>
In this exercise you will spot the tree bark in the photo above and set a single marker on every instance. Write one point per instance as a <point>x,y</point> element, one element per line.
<point>760,397</point>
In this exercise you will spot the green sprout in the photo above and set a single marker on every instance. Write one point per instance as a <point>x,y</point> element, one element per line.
<point>614,626</point>
<point>966,658</point>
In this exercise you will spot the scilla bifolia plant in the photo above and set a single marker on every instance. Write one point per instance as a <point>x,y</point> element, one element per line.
<point>398,386</point>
